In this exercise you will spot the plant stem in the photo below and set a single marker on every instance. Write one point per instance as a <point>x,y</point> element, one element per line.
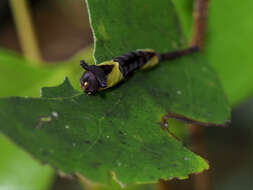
<point>196,133</point>
<point>199,22</point>
<point>164,185</point>
<point>24,26</point>
<point>200,181</point>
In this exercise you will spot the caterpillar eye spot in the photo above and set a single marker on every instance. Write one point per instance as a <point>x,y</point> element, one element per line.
<point>85,84</point>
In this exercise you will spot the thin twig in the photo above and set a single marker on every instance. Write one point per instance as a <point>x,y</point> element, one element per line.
<point>23,22</point>
<point>199,22</point>
<point>196,133</point>
<point>200,181</point>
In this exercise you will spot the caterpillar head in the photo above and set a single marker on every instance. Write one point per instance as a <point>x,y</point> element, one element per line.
<point>92,79</point>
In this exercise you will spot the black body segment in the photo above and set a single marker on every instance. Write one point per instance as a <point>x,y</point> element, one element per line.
<point>133,60</point>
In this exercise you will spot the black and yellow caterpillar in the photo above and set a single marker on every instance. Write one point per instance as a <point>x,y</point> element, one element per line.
<point>109,73</point>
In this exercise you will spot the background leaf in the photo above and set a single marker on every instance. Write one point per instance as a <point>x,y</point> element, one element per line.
<point>232,58</point>
<point>19,171</point>
<point>230,24</point>
<point>20,78</point>
<point>15,164</point>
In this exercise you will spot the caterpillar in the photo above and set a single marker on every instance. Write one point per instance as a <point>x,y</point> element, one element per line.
<point>109,73</point>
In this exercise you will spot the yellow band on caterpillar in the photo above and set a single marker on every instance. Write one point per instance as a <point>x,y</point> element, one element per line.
<point>152,62</point>
<point>115,76</point>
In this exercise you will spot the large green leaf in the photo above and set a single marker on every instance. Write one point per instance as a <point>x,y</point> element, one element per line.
<point>228,43</point>
<point>67,134</point>
<point>19,77</point>
<point>118,130</point>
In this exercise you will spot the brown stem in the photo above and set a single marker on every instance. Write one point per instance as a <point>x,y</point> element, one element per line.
<point>199,22</point>
<point>196,133</point>
<point>200,181</point>
<point>164,185</point>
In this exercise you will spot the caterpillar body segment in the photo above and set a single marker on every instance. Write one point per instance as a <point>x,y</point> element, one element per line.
<point>135,60</point>
<point>114,75</point>
<point>109,73</point>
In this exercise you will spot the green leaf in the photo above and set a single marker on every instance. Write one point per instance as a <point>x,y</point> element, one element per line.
<point>135,148</point>
<point>117,131</point>
<point>122,26</point>
<point>185,15</point>
<point>19,171</point>
<point>228,43</point>
<point>187,86</point>
<point>15,164</point>
<point>63,91</point>
<point>20,78</point>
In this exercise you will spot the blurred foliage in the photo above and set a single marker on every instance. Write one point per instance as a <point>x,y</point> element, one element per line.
<point>230,151</point>
<point>233,57</point>
<point>21,78</point>
<point>228,43</point>
<point>18,171</point>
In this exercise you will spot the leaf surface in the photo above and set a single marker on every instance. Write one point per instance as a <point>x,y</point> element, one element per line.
<point>67,134</point>
<point>186,86</point>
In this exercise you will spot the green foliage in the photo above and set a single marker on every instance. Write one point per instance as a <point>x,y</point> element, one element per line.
<point>77,140</point>
<point>187,86</point>
<point>19,78</point>
<point>185,10</point>
<point>228,43</point>
<point>122,26</point>
<point>19,171</point>
<point>233,57</point>
<point>118,130</point>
